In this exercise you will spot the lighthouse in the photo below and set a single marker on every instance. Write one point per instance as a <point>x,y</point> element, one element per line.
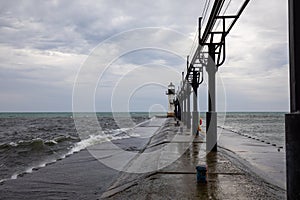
<point>171,105</point>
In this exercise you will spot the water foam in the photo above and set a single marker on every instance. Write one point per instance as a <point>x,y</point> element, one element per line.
<point>116,134</point>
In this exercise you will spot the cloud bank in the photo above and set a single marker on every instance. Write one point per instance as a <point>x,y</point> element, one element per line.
<point>44,43</point>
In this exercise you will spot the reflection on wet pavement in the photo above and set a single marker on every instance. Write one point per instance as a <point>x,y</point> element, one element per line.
<point>226,180</point>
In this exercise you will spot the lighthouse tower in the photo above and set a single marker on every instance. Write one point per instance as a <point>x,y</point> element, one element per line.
<point>171,105</point>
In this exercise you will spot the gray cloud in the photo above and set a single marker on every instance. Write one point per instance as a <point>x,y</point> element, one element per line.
<point>44,43</point>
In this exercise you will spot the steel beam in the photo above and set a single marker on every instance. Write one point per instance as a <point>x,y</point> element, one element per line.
<point>181,107</point>
<point>292,120</point>
<point>184,106</point>
<point>195,104</point>
<point>211,115</point>
<point>217,7</point>
<point>188,113</point>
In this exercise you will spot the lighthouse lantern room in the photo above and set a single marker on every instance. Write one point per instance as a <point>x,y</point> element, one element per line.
<point>171,95</point>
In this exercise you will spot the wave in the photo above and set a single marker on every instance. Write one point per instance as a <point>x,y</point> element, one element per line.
<point>109,134</point>
<point>116,134</point>
<point>93,139</point>
<point>38,142</point>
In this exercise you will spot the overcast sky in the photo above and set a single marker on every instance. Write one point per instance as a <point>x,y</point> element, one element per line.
<point>45,45</point>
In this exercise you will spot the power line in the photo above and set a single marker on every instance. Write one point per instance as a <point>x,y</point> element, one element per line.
<point>204,14</point>
<point>229,2</point>
<point>193,42</point>
<point>205,9</point>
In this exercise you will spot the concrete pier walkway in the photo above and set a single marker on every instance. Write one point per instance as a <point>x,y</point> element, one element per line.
<point>259,156</point>
<point>81,175</point>
<point>149,158</point>
<point>227,179</point>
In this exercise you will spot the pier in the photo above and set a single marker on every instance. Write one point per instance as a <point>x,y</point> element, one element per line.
<point>162,157</point>
<point>210,55</point>
<point>83,176</point>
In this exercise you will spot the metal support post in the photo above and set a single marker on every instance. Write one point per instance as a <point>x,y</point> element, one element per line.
<point>181,107</point>
<point>182,99</point>
<point>188,113</point>
<point>292,120</point>
<point>184,106</point>
<point>178,109</point>
<point>211,115</point>
<point>195,113</point>
<point>195,104</point>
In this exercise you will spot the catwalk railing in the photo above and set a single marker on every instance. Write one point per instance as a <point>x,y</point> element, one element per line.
<point>210,54</point>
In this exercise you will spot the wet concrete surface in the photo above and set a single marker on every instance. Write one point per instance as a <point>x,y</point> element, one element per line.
<point>79,176</point>
<point>82,176</point>
<point>225,181</point>
<point>266,160</point>
<point>225,178</point>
